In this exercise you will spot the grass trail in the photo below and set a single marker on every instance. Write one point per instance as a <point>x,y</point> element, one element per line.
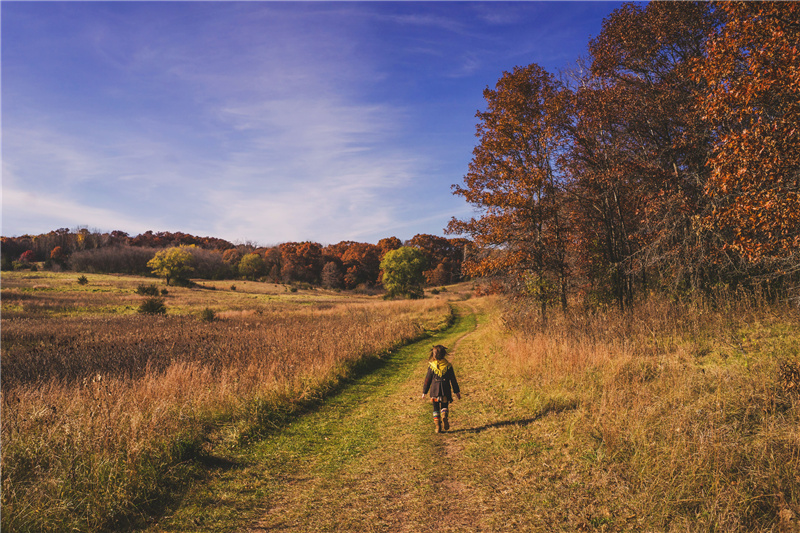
<point>368,459</point>
<point>364,459</point>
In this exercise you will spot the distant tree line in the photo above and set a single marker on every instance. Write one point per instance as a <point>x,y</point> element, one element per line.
<point>669,160</point>
<point>345,265</point>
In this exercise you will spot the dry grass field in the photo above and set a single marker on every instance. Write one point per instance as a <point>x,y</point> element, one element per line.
<point>103,406</point>
<point>693,408</point>
<point>671,416</point>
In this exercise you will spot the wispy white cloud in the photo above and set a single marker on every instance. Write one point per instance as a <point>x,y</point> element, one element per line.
<point>42,210</point>
<point>249,121</point>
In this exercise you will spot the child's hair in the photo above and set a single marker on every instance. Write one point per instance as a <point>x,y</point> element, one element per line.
<point>438,352</point>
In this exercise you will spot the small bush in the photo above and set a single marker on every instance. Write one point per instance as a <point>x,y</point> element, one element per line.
<point>233,287</point>
<point>147,290</point>
<point>153,306</point>
<point>208,315</point>
<point>164,292</point>
<point>83,280</point>
<point>435,291</point>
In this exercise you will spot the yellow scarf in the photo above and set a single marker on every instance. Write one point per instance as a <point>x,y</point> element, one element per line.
<point>440,366</point>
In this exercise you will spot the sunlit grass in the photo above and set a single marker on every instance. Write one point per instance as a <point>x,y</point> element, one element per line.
<point>101,410</point>
<point>682,401</point>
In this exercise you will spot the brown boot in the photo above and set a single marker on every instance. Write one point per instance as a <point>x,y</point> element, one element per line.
<point>438,423</point>
<point>445,421</point>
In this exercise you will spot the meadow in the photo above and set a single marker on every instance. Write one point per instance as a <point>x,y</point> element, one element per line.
<point>673,415</point>
<point>105,409</point>
<point>690,410</point>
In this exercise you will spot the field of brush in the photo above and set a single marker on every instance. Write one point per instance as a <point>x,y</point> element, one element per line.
<point>676,416</point>
<point>102,406</point>
<point>689,412</point>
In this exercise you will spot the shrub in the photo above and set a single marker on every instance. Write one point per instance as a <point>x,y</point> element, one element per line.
<point>183,282</point>
<point>83,280</point>
<point>153,306</point>
<point>147,290</point>
<point>28,257</point>
<point>233,287</point>
<point>164,292</point>
<point>208,315</point>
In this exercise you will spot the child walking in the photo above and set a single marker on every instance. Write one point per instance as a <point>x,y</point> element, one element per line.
<point>441,381</point>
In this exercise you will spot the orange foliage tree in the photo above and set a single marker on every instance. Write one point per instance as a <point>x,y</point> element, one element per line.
<point>300,261</point>
<point>646,144</point>
<point>673,158</point>
<point>516,179</point>
<point>361,262</point>
<point>752,66</point>
<point>444,257</point>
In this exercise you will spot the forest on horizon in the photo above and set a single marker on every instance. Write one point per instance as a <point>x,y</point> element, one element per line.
<point>344,265</point>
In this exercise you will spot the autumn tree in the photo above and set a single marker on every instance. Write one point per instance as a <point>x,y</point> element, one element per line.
<point>402,272</point>
<point>605,202</point>
<point>301,261</point>
<point>272,263</point>
<point>28,256</point>
<point>752,68</point>
<point>388,244</point>
<point>441,275</point>
<point>252,266</point>
<point>232,256</point>
<point>638,152</point>
<point>516,179</point>
<point>336,251</point>
<point>58,256</point>
<point>173,263</point>
<point>444,257</point>
<point>332,277</point>
<point>361,262</point>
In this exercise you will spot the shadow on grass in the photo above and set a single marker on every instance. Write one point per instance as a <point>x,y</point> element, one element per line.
<point>501,424</point>
<point>214,462</point>
<point>520,422</point>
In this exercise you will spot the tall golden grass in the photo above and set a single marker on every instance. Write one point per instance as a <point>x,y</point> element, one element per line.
<point>100,414</point>
<point>686,402</point>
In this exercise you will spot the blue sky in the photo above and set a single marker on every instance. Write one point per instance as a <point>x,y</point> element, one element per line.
<point>264,122</point>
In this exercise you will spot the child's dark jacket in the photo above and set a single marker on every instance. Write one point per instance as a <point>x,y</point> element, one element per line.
<point>441,381</point>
